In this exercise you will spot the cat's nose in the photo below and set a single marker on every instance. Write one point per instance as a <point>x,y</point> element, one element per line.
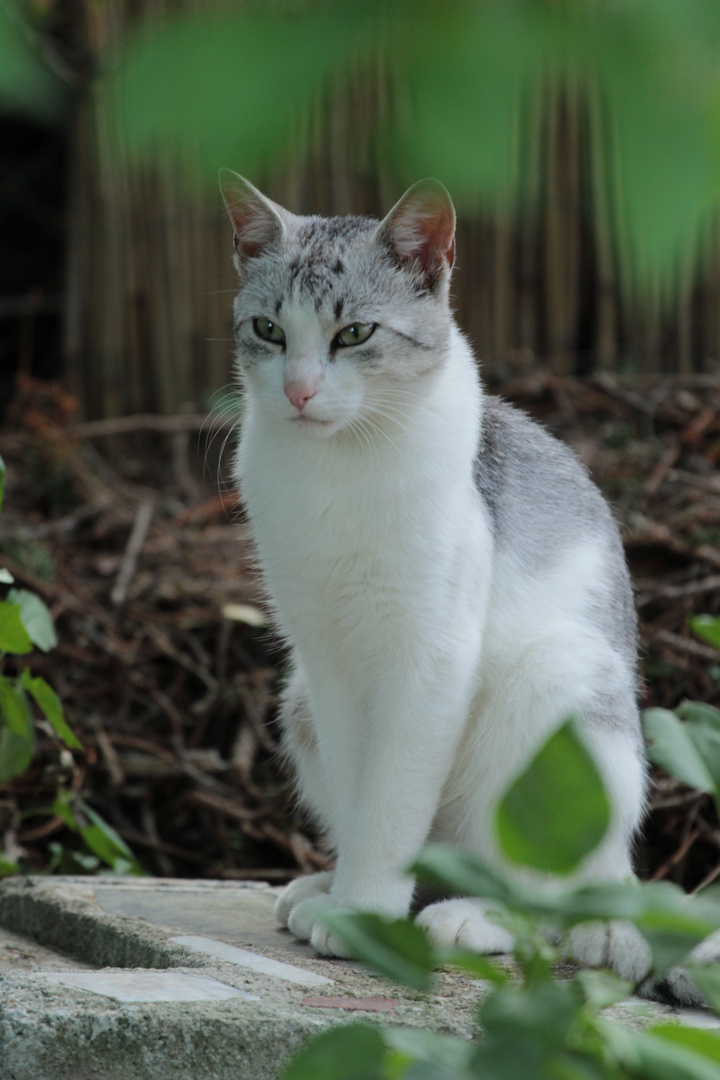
<point>299,393</point>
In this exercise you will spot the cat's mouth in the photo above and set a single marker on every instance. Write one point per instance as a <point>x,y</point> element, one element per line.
<point>309,421</point>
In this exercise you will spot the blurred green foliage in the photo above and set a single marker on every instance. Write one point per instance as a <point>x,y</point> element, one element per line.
<point>27,84</point>
<point>228,87</point>
<point>535,1026</point>
<point>25,624</point>
<point>466,81</point>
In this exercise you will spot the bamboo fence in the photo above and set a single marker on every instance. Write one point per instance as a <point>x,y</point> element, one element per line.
<point>150,279</point>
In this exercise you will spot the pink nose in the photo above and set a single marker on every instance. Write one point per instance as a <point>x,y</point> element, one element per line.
<point>299,393</point>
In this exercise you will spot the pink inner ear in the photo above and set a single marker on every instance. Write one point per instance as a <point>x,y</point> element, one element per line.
<point>257,226</point>
<point>438,241</point>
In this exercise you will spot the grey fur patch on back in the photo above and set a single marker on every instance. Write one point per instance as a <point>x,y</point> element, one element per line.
<point>539,496</point>
<point>542,502</point>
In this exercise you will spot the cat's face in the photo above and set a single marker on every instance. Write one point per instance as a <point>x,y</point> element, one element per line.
<point>340,322</point>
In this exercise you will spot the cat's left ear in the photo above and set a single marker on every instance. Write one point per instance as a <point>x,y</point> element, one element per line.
<point>420,229</point>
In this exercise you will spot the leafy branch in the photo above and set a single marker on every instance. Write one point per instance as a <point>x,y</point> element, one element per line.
<point>534,1025</point>
<point>25,624</point>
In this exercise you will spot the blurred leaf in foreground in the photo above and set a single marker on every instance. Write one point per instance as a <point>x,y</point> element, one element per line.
<point>229,87</point>
<point>26,83</point>
<point>557,811</point>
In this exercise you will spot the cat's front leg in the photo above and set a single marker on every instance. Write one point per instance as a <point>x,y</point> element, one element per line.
<point>402,747</point>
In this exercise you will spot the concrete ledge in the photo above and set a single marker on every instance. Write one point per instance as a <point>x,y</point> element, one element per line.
<point>65,917</point>
<point>185,980</point>
<point>72,1036</point>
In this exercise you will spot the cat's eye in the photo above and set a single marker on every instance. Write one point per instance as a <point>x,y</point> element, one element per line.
<point>269,331</point>
<point>354,334</point>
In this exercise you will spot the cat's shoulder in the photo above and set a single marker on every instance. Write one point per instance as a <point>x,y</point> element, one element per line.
<point>532,482</point>
<point>512,440</point>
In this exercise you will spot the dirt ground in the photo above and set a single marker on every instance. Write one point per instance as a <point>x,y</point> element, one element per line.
<point>169,672</point>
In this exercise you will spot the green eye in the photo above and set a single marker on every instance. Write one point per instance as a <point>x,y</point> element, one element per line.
<point>354,334</point>
<point>269,331</point>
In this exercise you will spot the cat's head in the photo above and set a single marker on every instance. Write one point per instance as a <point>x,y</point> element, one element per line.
<point>341,322</point>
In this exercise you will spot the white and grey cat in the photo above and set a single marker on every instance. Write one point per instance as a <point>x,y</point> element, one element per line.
<point>450,582</point>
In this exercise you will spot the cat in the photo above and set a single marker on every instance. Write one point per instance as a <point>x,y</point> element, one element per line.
<point>451,583</point>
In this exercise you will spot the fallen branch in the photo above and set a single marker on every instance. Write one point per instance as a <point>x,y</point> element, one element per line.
<point>128,565</point>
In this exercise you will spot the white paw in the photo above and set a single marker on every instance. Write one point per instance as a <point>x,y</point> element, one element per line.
<point>298,890</point>
<point>303,922</point>
<point>464,923</point>
<point>617,945</point>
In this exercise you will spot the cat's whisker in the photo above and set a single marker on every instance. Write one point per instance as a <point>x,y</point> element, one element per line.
<point>219,481</point>
<point>391,412</point>
<point>388,412</point>
<point>219,423</point>
<point>363,435</point>
<point>379,430</point>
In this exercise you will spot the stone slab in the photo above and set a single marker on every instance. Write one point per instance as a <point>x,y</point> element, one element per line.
<point>252,960</point>
<point>147,985</point>
<point>153,979</point>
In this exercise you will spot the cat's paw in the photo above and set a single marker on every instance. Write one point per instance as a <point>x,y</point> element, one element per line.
<point>305,925</point>
<point>464,923</point>
<point>302,888</point>
<point>618,945</point>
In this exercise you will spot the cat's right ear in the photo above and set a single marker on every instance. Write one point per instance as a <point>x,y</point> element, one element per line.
<point>256,220</point>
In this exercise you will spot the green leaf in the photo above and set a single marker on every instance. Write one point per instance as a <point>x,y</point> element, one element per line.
<point>396,947</point>
<point>671,745</point>
<point>603,988</point>
<point>13,709</point>
<point>36,618</point>
<point>49,703</point>
<point>14,638</point>
<point>62,808</point>
<point>672,922</point>
<point>668,945</point>
<point>460,872</point>
<point>707,979</point>
<point>428,1046</point>
<point>703,1042</point>
<point>707,628</point>
<point>16,753</point>
<point>543,1011</point>
<point>467,95</point>
<point>351,1052</point>
<point>102,839</point>
<point>7,868</point>
<point>657,1054</point>
<point>570,1065</point>
<point>700,713</point>
<point>557,811</point>
<point>474,963</point>
<point>499,1058</point>
<point>26,83</point>
<point>398,1067</point>
<point>178,82</point>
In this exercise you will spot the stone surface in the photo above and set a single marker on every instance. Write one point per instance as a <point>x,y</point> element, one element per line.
<point>146,985</point>
<point>140,978</point>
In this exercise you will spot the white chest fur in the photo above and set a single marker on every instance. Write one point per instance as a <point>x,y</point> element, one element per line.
<point>358,538</point>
